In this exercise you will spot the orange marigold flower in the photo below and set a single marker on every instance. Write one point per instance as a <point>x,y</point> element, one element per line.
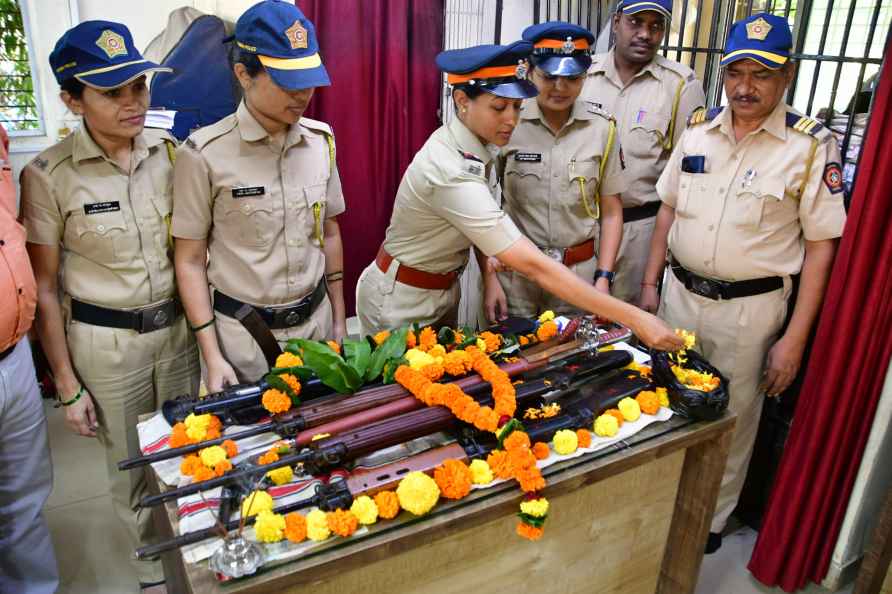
<point>342,522</point>
<point>230,447</point>
<point>454,479</point>
<point>295,527</point>
<point>524,341</point>
<point>269,457</point>
<point>333,346</point>
<point>492,341</point>
<point>212,433</point>
<point>292,382</point>
<point>616,414</point>
<point>178,437</point>
<point>486,419</point>
<point>214,422</point>
<point>499,463</point>
<point>411,341</point>
<point>433,372</point>
<point>222,467</point>
<point>531,480</point>
<point>275,401</point>
<point>540,450</point>
<point>547,331</point>
<point>517,440</point>
<point>427,339</point>
<point>204,473</point>
<point>466,409</point>
<point>380,337</point>
<point>584,438</point>
<point>190,465</point>
<point>457,363</point>
<point>388,504</point>
<point>649,402</point>
<point>529,532</point>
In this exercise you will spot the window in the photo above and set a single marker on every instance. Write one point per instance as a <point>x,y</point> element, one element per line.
<point>19,109</point>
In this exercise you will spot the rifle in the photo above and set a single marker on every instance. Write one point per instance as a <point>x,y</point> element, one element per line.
<point>603,394</point>
<point>333,451</point>
<point>328,415</point>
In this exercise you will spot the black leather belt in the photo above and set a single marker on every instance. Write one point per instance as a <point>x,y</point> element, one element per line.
<point>146,319</point>
<point>9,351</point>
<point>716,289</point>
<point>275,317</point>
<point>638,213</point>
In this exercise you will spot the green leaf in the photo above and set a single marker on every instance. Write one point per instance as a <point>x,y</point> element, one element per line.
<point>278,383</point>
<point>446,335</point>
<point>390,368</point>
<point>358,354</point>
<point>393,347</point>
<point>532,520</point>
<point>329,367</point>
<point>303,372</point>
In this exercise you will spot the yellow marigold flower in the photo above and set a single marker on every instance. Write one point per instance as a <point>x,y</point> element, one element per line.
<point>565,442</point>
<point>287,359</point>
<point>281,475</point>
<point>196,433</point>
<point>690,339</point>
<point>203,421</point>
<point>546,316</point>
<point>269,527</point>
<point>535,507</point>
<point>663,395</point>
<point>256,502</point>
<point>210,456</point>
<point>418,493</point>
<point>481,344</point>
<point>317,525</point>
<point>437,351</point>
<point>630,409</point>
<point>418,359</point>
<point>334,346</point>
<point>365,510</point>
<point>606,426</point>
<point>380,337</point>
<point>481,473</point>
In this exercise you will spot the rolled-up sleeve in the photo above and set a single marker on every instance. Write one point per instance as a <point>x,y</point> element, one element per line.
<point>470,208</point>
<point>40,212</point>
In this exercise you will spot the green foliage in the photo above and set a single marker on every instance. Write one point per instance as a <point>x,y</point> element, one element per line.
<point>16,84</point>
<point>358,354</point>
<point>278,383</point>
<point>392,348</point>
<point>328,366</point>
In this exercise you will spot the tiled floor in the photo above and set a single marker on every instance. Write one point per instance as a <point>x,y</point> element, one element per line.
<point>93,550</point>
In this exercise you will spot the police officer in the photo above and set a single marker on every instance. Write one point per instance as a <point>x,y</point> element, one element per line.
<point>444,206</point>
<point>99,202</point>
<point>256,200</point>
<point>561,173</point>
<point>651,98</point>
<point>752,195</point>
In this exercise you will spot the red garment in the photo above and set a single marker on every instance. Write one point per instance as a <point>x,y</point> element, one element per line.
<point>18,290</point>
<point>382,105</point>
<point>843,382</point>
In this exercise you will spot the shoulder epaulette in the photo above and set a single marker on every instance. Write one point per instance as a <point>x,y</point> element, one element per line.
<point>704,115</point>
<point>55,155</point>
<point>317,126</point>
<point>597,109</point>
<point>203,136</point>
<point>804,124</point>
<point>684,72</point>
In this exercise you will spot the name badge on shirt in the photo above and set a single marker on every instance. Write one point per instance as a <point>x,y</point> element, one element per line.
<point>100,207</point>
<point>528,157</point>
<point>249,192</point>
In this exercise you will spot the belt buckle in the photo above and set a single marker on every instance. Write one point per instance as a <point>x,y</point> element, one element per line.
<point>153,318</point>
<point>292,318</point>
<point>704,287</point>
<point>554,253</point>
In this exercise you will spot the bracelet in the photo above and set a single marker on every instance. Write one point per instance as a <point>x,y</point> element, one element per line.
<point>74,399</point>
<point>609,275</point>
<point>334,276</point>
<point>210,322</point>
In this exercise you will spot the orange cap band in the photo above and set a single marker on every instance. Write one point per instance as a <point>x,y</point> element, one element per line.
<point>580,44</point>
<point>490,72</point>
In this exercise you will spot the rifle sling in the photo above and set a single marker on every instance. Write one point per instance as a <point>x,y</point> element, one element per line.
<point>260,332</point>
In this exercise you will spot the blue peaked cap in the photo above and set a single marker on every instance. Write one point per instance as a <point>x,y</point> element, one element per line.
<point>664,7</point>
<point>560,48</point>
<point>763,37</point>
<point>497,69</point>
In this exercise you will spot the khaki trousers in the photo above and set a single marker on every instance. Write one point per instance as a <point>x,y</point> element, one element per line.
<point>131,374</point>
<point>244,354</point>
<point>631,260</point>
<point>527,299</point>
<point>383,303</point>
<point>735,336</point>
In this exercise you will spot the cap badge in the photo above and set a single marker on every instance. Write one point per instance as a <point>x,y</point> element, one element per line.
<point>112,44</point>
<point>568,46</point>
<point>522,69</point>
<point>758,29</point>
<point>297,35</point>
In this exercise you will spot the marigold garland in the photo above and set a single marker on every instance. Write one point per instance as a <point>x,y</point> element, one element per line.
<point>365,510</point>
<point>388,504</point>
<point>281,475</point>
<point>342,522</point>
<point>529,532</point>
<point>317,525</point>
<point>231,448</point>
<point>380,337</point>
<point>584,438</point>
<point>427,339</point>
<point>212,455</point>
<point>565,442</point>
<point>195,429</point>
<point>606,425</point>
<point>648,401</point>
<point>616,414</point>
<point>546,331</point>
<point>292,382</point>
<point>222,467</point>
<point>204,474</point>
<point>411,341</point>
<point>269,457</point>
<point>454,479</point>
<point>457,363</point>
<point>269,527</point>
<point>275,401</point>
<point>287,359</point>
<point>190,465</point>
<point>491,341</point>
<point>630,409</point>
<point>256,502</point>
<point>499,464</point>
<point>295,527</point>
<point>541,450</point>
<point>481,473</point>
<point>418,493</point>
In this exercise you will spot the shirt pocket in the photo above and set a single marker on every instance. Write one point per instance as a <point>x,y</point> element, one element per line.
<point>103,237</point>
<point>583,176</point>
<point>163,204</point>
<point>689,187</point>
<point>315,215</point>
<point>523,179</point>
<point>765,206</point>
<point>646,136</point>
<point>250,221</point>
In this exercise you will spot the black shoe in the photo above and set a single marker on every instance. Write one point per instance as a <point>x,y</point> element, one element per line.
<point>713,543</point>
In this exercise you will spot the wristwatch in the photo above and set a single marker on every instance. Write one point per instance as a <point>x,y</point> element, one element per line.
<point>609,275</point>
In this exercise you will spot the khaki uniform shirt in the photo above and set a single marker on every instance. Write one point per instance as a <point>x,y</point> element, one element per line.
<point>444,205</point>
<point>112,224</point>
<point>744,217</point>
<point>254,201</point>
<point>540,174</point>
<point>643,110</point>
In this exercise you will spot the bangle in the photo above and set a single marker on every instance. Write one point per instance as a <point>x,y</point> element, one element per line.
<point>210,322</point>
<point>74,399</point>
<point>334,276</point>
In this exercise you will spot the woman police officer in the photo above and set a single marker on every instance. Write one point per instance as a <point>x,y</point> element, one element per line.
<point>561,174</point>
<point>99,202</point>
<point>444,206</point>
<point>256,196</point>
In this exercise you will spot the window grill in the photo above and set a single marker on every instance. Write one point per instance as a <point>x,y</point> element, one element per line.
<point>19,110</point>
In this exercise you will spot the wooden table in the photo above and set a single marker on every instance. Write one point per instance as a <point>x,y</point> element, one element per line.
<point>630,519</point>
